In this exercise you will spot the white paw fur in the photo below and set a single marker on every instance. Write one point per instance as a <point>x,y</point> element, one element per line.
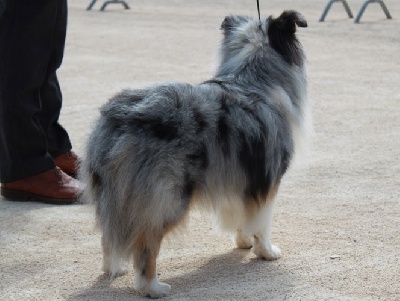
<point>152,288</point>
<point>116,273</point>
<point>114,266</point>
<point>242,240</point>
<point>266,251</point>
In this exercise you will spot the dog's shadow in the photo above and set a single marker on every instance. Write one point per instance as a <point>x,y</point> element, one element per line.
<point>102,290</point>
<point>236,274</point>
<point>232,274</point>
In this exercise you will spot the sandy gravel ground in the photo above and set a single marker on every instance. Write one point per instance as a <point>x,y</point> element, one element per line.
<point>338,216</point>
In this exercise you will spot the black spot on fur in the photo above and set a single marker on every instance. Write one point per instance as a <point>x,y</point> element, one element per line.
<point>157,127</point>
<point>224,102</point>
<point>199,158</point>
<point>286,157</point>
<point>96,179</point>
<point>178,101</point>
<point>252,155</point>
<point>223,134</point>
<point>188,188</point>
<point>223,128</point>
<point>200,120</point>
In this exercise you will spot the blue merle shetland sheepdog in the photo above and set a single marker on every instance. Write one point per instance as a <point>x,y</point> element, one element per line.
<point>223,144</point>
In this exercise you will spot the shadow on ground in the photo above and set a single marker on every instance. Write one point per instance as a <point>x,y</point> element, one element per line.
<point>230,275</point>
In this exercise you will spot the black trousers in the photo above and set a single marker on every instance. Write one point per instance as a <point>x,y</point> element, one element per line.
<point>32,39</point>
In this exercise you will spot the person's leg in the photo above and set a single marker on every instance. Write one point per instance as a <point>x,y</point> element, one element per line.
<point>58,141</point>
<point>27,169</point>
<point>26,38</point>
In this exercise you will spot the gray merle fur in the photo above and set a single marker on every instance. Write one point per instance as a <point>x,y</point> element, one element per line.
<point>223,144</point>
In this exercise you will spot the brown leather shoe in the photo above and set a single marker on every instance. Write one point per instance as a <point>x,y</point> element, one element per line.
<point>68,162</point>
<point>50,187</point>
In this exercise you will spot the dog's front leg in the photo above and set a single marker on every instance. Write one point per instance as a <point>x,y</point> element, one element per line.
<point>260,226</point>
<point>262,238</point>
<point>243,240</point>
<point>264,249</point>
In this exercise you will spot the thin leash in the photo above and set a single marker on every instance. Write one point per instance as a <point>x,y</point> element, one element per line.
<point>259,16</point>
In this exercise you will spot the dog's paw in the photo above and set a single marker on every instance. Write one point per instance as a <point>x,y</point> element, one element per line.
<point>153,289</point>
<point>159,290</point>
<point>115,271</point>
<point>270,252</point>
<point>120,272</point>
<point>243,241</point>
<point>116,274</point>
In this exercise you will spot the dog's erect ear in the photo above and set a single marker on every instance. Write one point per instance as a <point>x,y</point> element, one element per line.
<point>288,21</point>
<point>231,22</point>
<point>281,34</point>
<point>226,24</point>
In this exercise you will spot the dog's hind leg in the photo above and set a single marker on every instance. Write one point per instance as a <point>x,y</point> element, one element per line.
<point>243,240</point>
<point>113,263</point>
<point>259,224</point>
<point>145,252</point>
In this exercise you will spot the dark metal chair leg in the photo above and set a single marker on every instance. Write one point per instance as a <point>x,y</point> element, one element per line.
<point>93,2</point>
<point>328,7</point>
<point>126,6</point>
<point>347,8</point>
<point>364,6</point>
<point>385,10</point>
<point>91,5</point>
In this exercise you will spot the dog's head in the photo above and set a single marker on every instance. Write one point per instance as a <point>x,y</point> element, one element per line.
<point>244,36</point>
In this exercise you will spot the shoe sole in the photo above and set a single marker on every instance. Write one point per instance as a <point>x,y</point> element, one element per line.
<point>21,196</point>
